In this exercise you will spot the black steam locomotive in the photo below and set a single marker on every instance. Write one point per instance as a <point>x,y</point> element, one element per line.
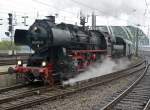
<point>63,50</point>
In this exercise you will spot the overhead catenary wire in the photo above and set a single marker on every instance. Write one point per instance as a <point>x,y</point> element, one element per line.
<point>51,6</point>
<point>148,13</point>
<point>62,10</point>
<point>30,18</point>
<point>102,12</point>
<point>147,6</point>
<point>47,5</point>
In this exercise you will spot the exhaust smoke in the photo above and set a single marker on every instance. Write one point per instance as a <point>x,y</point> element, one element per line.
<point>98,69</point>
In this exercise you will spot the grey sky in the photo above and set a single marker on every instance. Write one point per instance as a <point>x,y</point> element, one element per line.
<point>109,12</point>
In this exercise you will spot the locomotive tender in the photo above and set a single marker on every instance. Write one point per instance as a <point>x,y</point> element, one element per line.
<point>63,50</point>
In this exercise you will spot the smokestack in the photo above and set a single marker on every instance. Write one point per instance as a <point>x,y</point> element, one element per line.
<point>93,21</point>
<point>51,19</point>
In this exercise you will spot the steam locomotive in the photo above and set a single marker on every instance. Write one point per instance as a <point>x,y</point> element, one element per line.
<point>61,51</point>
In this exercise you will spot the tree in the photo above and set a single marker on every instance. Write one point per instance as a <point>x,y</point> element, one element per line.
<point>6,45</point>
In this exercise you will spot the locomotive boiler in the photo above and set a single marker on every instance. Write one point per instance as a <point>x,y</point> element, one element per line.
<point>61,51</point>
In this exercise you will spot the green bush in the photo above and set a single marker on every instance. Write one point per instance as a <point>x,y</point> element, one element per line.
<point>8,45</point>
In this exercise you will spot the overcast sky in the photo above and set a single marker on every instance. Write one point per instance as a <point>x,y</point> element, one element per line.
<point>109,12</point>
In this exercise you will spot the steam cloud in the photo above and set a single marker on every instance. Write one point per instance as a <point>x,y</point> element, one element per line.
<point>106,67</point>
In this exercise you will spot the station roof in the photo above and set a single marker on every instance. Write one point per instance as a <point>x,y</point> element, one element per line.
<point>125,32</point>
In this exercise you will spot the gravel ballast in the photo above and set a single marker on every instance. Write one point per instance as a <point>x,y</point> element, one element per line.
<point>91,99</point>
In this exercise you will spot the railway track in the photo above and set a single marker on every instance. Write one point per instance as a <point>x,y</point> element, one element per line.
<point>135,97</point>
<point>39,95</point>
<point>13,87</point>
<point>25,92</point>
<point>12,61</point>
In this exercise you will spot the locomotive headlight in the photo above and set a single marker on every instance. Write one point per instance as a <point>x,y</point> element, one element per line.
<point>19,62</point>
<point>44,63</point>
<point>35,28</point>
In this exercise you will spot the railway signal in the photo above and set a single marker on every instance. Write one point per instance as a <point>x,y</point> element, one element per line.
<point>25,20</point>
<point>10,18</point>
<point>10,30</point>
<point>82,21</point>
<point>1,20</point>
<point>10,22</point>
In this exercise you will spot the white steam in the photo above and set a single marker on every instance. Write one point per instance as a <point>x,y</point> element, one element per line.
<point>106,67</point>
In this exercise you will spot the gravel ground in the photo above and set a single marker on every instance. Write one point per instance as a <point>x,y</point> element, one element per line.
<point>89,99</point>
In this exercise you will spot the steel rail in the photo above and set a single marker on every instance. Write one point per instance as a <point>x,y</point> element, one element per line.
<point>11,62</point>
<point>147,107</point>
<point>5,89</point>
<point>25,93</point>
<point>118,98</point>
